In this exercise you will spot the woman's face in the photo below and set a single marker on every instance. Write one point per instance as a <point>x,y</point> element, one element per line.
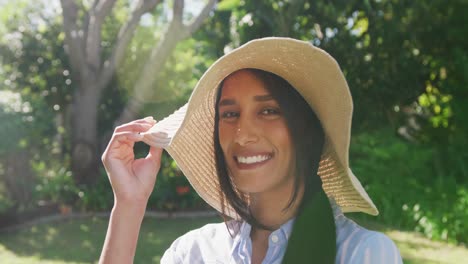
<point>253,135</point>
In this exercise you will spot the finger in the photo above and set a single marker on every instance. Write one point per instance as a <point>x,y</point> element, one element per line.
<point>154,154</point>
<point>124,139</point>
<point>148,119</point>
<point>133,127</point>
<point>130,135</point>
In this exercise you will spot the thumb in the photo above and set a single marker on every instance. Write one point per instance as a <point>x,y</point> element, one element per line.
<point>154,155</point>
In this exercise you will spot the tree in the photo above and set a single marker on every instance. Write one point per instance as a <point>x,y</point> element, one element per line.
<point>92,72</point>
<point>33,87</point>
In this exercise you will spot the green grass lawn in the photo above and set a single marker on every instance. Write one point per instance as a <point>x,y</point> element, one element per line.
<point>80,241</point>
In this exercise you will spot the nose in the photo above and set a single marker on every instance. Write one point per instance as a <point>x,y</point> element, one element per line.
<point>245,132</point>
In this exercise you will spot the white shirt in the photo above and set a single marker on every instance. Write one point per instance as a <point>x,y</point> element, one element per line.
<point>213,243</point>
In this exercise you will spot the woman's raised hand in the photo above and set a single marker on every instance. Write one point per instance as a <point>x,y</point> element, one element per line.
<point>132,179</point>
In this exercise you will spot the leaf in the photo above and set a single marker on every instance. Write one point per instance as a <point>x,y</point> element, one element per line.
<point>227,5</point>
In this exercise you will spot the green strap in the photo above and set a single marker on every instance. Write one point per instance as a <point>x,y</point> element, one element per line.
<point>313,238</point>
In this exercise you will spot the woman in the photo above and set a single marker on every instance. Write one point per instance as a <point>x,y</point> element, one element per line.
<point>264,140</point>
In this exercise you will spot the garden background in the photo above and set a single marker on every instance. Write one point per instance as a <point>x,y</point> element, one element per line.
<point>70,71</point>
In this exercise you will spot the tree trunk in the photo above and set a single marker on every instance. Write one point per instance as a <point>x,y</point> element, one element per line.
<point>85,151</point>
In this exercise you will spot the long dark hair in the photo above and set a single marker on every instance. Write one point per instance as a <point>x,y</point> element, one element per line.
<point>307,136</point>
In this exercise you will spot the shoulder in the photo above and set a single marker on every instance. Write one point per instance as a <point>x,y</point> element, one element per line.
<point>359,245</point>
<point>199,244</point>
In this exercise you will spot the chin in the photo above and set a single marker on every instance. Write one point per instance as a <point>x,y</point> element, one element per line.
<point>250,188</point>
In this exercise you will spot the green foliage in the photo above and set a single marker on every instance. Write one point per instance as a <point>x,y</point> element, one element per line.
<point>228,5</point>
<point>55,185</point>
<point>14,122</point>
<point>5,202</point>
<point>393,53</point>
<point>402,180</point>
<point>388,50</point>
<point>20,139</point>
<point>402,60</point>
<point>174,83</point>
<point>98,197</point>
<point>173,191</point>
<point>34,75</point>
<point>34,69</point>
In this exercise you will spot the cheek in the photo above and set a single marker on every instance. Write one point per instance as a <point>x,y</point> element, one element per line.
<point>281,135</point>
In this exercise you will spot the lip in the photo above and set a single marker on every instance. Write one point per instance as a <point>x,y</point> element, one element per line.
<point>245,166</point>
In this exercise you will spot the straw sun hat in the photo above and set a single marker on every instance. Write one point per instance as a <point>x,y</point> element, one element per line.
<point>187,134</point>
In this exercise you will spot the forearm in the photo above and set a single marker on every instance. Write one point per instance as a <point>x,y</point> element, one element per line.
<point>122,234</point>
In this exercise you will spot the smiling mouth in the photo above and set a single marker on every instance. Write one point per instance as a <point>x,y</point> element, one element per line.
<point>250,160</point>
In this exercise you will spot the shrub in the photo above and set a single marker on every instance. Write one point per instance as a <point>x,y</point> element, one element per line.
<point>55,185</point>
<point>407,189</point>
<point>98,197</point>
<point>173,191</point>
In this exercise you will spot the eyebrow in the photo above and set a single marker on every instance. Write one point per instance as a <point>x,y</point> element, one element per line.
<point>263,98</point>
<point>258,98</point>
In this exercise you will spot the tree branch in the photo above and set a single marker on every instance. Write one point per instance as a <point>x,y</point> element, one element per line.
<point>192,27</point>
<point>154,65</point>
<point>178,11</point>
<point>95,18</point>
<point>103,7</point>
<point>176,32</point>
<point>125,35</point>
<point>73,36</point>
<point>288,17</point>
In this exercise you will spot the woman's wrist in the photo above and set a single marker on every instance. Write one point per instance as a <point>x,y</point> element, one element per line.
<point>122,233</point>
<point>130,207</point>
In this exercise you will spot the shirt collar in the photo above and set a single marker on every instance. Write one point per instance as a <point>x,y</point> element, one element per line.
<point>337,213</point>
<point>281,235</point>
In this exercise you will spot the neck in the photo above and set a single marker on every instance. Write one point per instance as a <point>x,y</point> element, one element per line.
<point>269,208</point>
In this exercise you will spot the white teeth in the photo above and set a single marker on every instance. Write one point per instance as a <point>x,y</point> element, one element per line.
<point>252,159</point>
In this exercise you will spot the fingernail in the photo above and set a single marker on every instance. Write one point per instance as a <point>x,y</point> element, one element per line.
<point>149,118</point>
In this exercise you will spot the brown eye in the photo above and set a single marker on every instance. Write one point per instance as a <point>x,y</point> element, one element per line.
<point>270,111</point>
<point>229,115</point>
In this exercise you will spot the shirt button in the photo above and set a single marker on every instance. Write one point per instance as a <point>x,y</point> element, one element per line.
<point>274,238</point>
